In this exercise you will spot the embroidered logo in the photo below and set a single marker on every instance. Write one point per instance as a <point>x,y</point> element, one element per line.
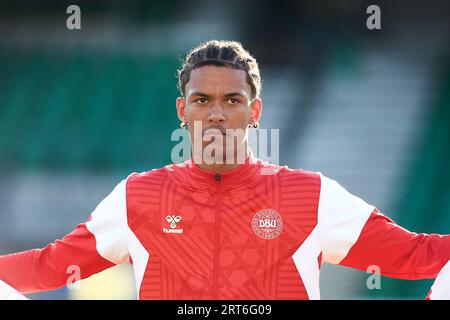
<point>173,220</point>
<point>267,224</point>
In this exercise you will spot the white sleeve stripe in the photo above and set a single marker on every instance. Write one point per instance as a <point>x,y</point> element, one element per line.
<point>307,263</point>
<point>140,258</point>
<point>440,290</point>
<point>108,224</point>
<point>341,218</point>
<point>9,293</point>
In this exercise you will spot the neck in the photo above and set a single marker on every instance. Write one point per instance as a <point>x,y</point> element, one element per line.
<point>223,167</point>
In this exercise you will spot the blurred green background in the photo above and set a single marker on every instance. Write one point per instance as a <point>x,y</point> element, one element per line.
<point>81,109</point>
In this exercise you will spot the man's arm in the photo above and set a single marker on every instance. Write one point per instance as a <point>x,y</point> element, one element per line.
<point>355,234</point>
<point>93,246</point>
<point>397,252</point>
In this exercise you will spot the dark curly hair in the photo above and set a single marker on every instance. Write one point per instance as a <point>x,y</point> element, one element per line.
<point>229,54</point>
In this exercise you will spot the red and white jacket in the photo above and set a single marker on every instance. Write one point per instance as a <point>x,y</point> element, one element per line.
<point>259,231</point>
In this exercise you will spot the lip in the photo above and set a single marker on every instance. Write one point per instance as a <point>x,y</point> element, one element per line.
<point>211,132</point>
<point>209,136</point>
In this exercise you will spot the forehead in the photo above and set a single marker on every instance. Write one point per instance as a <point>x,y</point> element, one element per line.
<point>215,80</point>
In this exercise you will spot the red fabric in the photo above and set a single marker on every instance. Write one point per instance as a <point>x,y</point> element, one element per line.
<point>47,269</point>
<point>399,253</point>
<point>218,255</point>
<point>216,252</point>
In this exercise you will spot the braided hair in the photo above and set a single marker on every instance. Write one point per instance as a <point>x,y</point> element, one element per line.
<point>229,54</point>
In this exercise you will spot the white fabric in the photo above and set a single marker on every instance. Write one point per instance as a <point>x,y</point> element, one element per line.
<point>109,225</point>
<point>341,218</point>
<point>307,264</point>
<point>115,240</point>
<point>440,290</point>
<point>9,293</point>
<point>140,258</point>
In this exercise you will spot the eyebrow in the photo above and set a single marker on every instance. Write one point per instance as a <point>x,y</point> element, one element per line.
<point>231,94</point>
<point>200,94</point>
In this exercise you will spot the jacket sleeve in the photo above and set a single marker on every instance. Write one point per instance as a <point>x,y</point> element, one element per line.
<point>357,235</point>
<point>93,246</point>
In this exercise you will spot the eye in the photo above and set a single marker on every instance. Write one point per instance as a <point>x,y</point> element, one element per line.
<point>233,101</point>
<point>201,101</point>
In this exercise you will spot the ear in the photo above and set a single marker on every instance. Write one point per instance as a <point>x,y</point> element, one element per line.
<point>255,110</point>
<point>181,104</point>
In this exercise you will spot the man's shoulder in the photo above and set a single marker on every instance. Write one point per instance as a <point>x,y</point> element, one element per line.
<point>157,174</point>
<point>285,172</point>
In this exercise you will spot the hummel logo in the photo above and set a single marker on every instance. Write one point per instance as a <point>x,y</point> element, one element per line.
<point>173,220</point>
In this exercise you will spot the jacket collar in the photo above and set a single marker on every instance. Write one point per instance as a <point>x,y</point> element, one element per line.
<point>241,176</point>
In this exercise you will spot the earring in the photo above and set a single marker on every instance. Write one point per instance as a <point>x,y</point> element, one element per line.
<point>183,124</point>
<point>253,125</point>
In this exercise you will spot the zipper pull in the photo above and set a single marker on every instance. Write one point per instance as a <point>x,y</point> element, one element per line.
<point>217,177</point>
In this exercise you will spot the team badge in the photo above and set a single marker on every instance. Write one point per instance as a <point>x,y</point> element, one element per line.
<point>267,224</point>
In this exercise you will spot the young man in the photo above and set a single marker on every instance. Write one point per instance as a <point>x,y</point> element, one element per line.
<point>227,227</point>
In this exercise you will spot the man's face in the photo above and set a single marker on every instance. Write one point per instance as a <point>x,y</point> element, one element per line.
<point>218,97</point>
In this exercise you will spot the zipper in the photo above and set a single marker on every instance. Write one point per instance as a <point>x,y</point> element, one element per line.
<point>218,220</point>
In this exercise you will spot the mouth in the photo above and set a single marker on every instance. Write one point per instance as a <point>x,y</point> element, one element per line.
<point>214,132</point>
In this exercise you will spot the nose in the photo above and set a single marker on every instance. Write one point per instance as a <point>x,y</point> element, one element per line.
<point>216,115</point>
